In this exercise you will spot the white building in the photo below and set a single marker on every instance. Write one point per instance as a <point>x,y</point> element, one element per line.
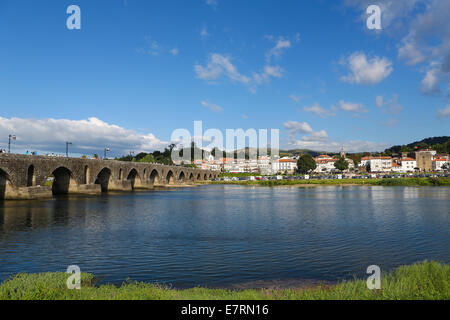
<point>325,163</point>
<point>438,164</point>
<point>408,164</point>
<point>285,164</point>
<point>380,164</point>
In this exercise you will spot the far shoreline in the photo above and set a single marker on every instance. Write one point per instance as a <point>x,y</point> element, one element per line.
<point>400,182</point>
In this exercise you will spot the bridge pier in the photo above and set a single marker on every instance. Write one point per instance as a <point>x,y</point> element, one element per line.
<point>27,193</point>
<point>120,185</point>
<point>89,189</point>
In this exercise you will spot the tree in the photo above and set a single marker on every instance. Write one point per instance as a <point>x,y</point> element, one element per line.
<point>148,158</point>
<point>306,163</point>
<point>341,164</point>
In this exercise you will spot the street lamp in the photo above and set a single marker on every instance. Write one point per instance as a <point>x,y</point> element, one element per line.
<point>107,150</point>
<point>11,137</point>
<point>67,148</point>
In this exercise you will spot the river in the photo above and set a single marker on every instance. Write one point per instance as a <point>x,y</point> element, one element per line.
<point>228,236</point>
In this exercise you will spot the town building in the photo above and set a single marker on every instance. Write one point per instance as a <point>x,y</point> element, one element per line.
<point>407,164</point>
<point>285,164</point>
<point>424,159</point>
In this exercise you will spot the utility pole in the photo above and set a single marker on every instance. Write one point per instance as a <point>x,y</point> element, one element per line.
<point>67,148</point>
<point>106,150</point>
<point>11,137</point>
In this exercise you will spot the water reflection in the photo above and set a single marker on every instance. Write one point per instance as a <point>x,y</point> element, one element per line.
<point>227,235</point>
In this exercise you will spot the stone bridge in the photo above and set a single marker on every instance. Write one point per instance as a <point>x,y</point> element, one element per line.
<point>27,177</point>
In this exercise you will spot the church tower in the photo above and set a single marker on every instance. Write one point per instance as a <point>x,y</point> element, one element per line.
<point>342,153</point>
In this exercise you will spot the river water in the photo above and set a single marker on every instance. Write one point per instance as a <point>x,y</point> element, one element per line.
<point>228,236</point>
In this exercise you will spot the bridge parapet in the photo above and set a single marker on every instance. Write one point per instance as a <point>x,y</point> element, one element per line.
<point>77,175</point>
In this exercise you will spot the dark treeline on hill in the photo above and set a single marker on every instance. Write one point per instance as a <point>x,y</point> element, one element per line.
<point>440,144</point>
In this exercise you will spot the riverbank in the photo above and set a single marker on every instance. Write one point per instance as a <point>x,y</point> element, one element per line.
<point>426,280</point>
<point>342,182</point>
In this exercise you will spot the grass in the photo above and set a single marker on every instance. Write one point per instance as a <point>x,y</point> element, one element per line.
<point>371,182</point>
<point>425,280</point>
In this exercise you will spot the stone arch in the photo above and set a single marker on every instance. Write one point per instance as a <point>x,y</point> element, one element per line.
<point>154,177</point>
<point>87,175</point>
<point>103,179</point>
<point>144,176</point>
<point>31,176</point>
<point>199,176</point>
<point>63,178</point>
<point>170,177</point>
<point>210,176</point>
<point>120,176</point>
<point>191,177</point>
<point>4,183</point>
<point>205,177</point>
<point>182,177</point>
<point>132,177</point>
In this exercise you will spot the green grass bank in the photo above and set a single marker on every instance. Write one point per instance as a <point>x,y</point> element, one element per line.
<point>334,182</point>
<point>425,280</point>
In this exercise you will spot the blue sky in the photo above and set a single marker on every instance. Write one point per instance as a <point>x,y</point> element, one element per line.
<point>137,70</point>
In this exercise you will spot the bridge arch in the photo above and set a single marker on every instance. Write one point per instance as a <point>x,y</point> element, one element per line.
<point>154,177</point>
<point>31,176</point>
<point>103,179</point>
<point>4,183</point>
<point>191,177</point>
<point>170,177</point>
<point>63,178</point>
<point>182,177</point>
<point>132,177</point>
<point>120,176</point>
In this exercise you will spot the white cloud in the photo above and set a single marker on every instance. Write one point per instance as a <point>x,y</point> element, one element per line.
<point>410,52</point>
<point>430,83</point>
<point>294,98</point>
<point>352,107</point>
<point>267,73</point>
<point>335,146</point>
<point>304,128</point>
<point>204,33</point>
<point>319,140</point>
<point>219,64</point>
<point>321,112</point>
<point>366,71</point>
<point>154,48</point>
<point>211,106</point>
<point>391,106</point>
<point>423,30</point>
<point>212,3</point>
<point>444,112</point>
<point>281,45</point>
<point>379,101</point>
<point>294,127</point>
<point>88,136</point>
